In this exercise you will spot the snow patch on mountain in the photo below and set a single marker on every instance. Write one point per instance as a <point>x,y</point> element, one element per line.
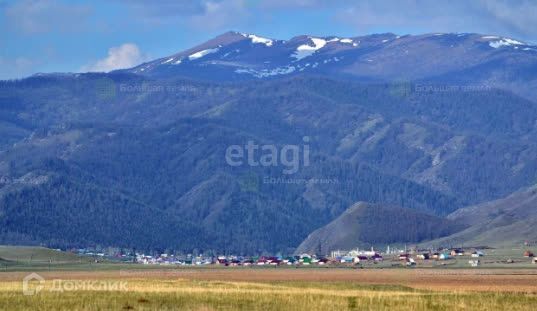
<point>345,41</point>
<point>202,53</point>
<point>167,61</point>
<point>268,72</point>
<point>257,39</point>
<point>348,41</point>
<point>306,50</point>
<point>333,59</point>
<point>504,42</point>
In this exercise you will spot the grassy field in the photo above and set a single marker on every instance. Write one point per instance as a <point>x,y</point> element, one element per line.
<point>183,294</point>
<point>274,289</point>
<point>37,255</point>
<point>32,258</point>
<point>78,283</point>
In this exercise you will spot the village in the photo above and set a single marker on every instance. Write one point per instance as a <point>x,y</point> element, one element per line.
<point>469,257</point>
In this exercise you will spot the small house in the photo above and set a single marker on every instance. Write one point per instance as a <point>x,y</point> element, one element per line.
<point>424,256</point>
<point>349,259</point>
<point>404,257</point>
<point>377,257</point>
<point>457,252</point>
<point>290,260</point>
<point>273,260</point>
<point>410,262</point>
<point>323,261</point>
<point>477,254</point>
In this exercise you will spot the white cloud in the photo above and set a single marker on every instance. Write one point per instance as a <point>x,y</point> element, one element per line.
<point>126,55</point>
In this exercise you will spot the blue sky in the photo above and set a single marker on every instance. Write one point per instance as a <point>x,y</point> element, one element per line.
<point>73,36</point>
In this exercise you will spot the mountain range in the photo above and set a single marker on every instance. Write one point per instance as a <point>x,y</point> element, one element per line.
<point>137,157</point>
<point>463,59</point>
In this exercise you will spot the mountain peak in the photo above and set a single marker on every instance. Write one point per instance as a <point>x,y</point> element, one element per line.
<point>226,38</point>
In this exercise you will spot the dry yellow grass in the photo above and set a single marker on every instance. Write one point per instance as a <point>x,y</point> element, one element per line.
<point>279,289</point>
<point>508,280</point>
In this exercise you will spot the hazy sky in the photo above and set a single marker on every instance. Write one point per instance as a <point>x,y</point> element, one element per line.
<point>101,35</point>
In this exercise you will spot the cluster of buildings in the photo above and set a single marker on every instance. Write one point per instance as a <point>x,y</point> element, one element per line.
<point>303,259</point>
<point>342,258</point>
<point>339,257</point>
<point>104,252</point>
<point>446,254</point>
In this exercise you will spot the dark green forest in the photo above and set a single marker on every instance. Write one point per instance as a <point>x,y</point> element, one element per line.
<point>90,159</point>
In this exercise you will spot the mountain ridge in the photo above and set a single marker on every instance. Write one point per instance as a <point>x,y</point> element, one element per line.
<point>157,141</point>
<point>235,56</point>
